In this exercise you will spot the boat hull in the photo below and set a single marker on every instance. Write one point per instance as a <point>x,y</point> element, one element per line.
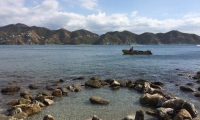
<point>137,52</point>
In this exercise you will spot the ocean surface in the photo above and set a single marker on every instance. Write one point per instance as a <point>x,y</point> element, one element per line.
<point>46,64</point>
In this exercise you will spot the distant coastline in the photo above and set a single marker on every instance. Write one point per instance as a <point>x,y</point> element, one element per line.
<point>20,34</point>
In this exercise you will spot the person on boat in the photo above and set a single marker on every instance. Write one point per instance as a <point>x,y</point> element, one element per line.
<point>131,49</point>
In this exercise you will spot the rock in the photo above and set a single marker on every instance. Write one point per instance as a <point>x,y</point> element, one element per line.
<point>130,84</point>
<point>46,93</point>
<point>115,87</point>
<point>122,83</point>
<point>139,88</point>
<point>139,115</point>
<point>33,86</point>
<point>98,100</point>
<point>94,78</point>
<point>64,90</point>
<point>49,87</point>
<point>129,117</point>
<point>190,108</point>
<point>23,93</point>
<point>149,99</point>
<point>12,88</point>
<point>197,94</point>
<point>95,117</point>
<point>77,88</point>
<point>164,113</point>
<point>109,80</point>
<point>42,98</point>
<point>198,88</point>
<point>31,109</point>
<point>190,84</point>
<point>13,102</point>
<point>61,80</point>
<point>182,115</point>
<point>185,88</point>
<point>158,83</point>
<point>15,111</point>
<point>57,93</point>
<point>115,83</point>
<point>18,116</point>
<point>70,88</point>
<point>48,102</point>
<point>151,112</point>
<point>24,101</point>
<point>48,117</point>
<point>79,78</point>
<point>175,103</point>
<point>93,83</point>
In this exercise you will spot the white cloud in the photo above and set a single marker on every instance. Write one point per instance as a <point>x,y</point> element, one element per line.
<point>47,15</point>
<point>88,4</point>
<point>134,13</point>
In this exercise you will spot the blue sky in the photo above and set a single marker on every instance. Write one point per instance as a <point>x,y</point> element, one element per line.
<point>101,16</point>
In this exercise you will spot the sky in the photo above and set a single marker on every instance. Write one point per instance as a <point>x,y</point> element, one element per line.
<point>101,16</point>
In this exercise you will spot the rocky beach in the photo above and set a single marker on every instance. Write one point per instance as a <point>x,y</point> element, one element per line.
<point>163,106</point>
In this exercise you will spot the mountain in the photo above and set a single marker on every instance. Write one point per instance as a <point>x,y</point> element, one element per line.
<point>20,34</point>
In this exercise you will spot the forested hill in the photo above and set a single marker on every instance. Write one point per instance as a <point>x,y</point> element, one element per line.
<point>20,34</point>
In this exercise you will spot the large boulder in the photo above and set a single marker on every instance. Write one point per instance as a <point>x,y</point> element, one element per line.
<point>12,88</point>
<point>98,100</point>
<point>139,115</point>
<point>183,114</point>
<point>31,109</point>
<point>93,83</point>
<point>164,113</point>
<point>149,99</point>
<point>185,88</point>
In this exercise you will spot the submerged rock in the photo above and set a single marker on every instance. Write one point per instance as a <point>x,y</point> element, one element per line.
<point>98,100</point>
<point>48,117</point>
<point>12,88</point>
<point>139,115</point>
<point>93,83</point>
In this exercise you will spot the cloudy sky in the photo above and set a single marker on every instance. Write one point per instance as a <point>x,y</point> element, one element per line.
<point>101,16</point>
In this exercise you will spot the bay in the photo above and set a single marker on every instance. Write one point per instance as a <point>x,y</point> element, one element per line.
<point>43,64</point>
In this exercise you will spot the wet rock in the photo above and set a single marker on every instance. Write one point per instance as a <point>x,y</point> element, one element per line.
<point>79,78</point>
<point>175,103</point>
<point>197,94</point>
<point>93,83</point>
<point>94,78</point>
<point>122,83</point>
<point>13,102</point>
<point>139,88</point>
<point>115,83</point>
<point>12,88</point>
<point>48,117</point>
<point>129,117</point>
<point>61,80</point>
<point>164,113</point>
<point>24,101</point>
<point>46,93</point>
<point>183,114</point>
<point>31,109</point>
<point>190,84</point>
<point>42,98</point>
<point>185,88</point>
<point>139,115</point>
<point>115,87</point>
<point>23,93</point>
<point>64,90</point>
<point>130,84</point>
<point>15,111</point>
<point>190,108</point>
<point>151,112</point>
<point>18,116</point>
<point>149,99</point>
<point>103,83</point>
<point>57,93</point>
<point>95,117</point>
<point>49,87</point>
<point>98,100</point>
<point>48,102</point>
<point>161,84</point>
<point>198,88</point>
<point>109,80</point>
<point>33,86</point>
<point>77,88</point>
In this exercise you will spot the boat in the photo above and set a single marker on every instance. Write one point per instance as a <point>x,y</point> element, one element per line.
<point>137,52</point>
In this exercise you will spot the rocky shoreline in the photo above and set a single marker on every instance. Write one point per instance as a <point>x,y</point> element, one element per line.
<point>165,106</point>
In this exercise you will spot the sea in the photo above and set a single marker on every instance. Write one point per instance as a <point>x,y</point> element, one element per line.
<point>46,64</point>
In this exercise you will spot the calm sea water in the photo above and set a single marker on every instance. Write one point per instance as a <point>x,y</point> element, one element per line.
<point>43,64</point>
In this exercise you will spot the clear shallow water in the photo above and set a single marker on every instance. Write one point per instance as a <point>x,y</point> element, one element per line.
<point>43,64</point>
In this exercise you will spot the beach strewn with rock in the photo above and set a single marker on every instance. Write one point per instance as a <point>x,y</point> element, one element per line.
<point>164,106</point>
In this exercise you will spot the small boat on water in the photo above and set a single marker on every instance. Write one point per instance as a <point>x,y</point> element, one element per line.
<point>137,52</point>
